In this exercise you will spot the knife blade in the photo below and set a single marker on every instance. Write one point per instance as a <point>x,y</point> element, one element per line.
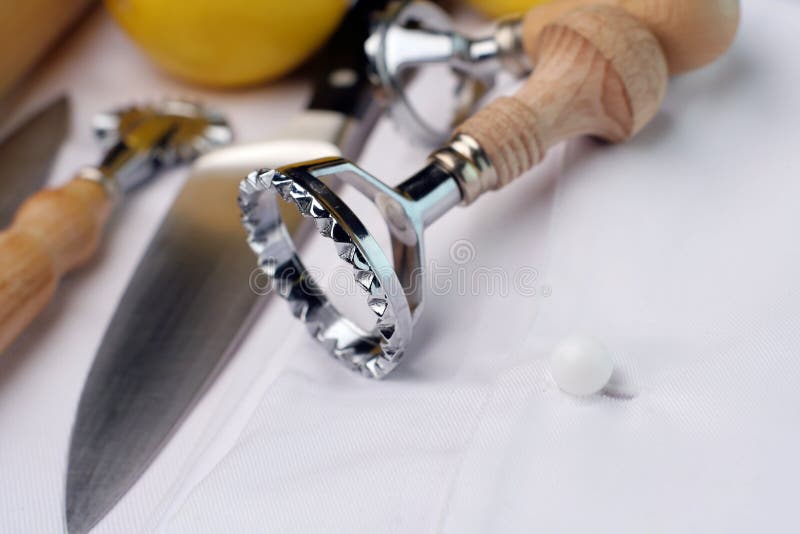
<point>27,155</point>
<point>189,303</point>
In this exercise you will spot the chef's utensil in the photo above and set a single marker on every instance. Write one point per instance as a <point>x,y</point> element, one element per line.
<point>600,72</point>
<point>27,154</point>
<point>189,302</point>
<point>57,230</point>
<point>27,30</point>
<point>419,34</point>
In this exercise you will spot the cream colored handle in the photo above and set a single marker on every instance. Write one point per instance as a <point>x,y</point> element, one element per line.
<point>692,33</point>
<point>53,232</point>
<point>599,72</point>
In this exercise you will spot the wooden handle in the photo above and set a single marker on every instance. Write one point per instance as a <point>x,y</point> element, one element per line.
<point>599,72</point>
<point>692,33</point>
<point>53,232</point>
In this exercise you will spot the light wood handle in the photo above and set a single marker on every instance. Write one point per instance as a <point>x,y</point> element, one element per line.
<point>692,33</point>
<point>599,72</point>
<point>53,232</point>
<point>41,22</point>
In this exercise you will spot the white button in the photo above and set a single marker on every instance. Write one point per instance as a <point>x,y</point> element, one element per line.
<point>581,365</point>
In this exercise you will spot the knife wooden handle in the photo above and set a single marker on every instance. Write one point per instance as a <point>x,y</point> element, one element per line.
<point>599,72</point>
<point>692,33</point>
<point>53,232</point>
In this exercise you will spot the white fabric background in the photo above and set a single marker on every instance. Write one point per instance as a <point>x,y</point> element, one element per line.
<point>678,250</point>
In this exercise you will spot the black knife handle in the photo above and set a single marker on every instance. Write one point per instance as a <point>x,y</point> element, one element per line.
<point>341,80</point>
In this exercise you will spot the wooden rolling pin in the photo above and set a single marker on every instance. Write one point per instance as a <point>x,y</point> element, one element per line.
<point>28,29</point>
<point>600,72</point>
<point>692,33</point>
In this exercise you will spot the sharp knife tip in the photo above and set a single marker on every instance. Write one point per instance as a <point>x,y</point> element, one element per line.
<point>81,516</point>
<point>79,523</point>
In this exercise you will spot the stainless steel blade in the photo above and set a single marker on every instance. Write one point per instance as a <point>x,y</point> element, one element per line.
<point>179,320</point>
<point>27,154</point>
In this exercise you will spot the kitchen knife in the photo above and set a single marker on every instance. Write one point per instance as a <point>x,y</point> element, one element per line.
<point>189,302</point>
<point>27,154</point>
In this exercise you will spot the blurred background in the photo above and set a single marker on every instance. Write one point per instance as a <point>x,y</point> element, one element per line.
<point>232,44</point>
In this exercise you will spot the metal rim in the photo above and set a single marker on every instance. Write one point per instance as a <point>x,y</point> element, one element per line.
<point>374,353</point>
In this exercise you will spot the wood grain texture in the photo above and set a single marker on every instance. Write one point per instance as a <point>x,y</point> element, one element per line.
<point>692,33</point>
<point>53,232</point>
<point>28,29</point>
<point>599,72</point>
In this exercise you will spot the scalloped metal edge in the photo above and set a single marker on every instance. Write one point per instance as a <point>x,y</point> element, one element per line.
<point>272,181</point>
<point>217,132</point>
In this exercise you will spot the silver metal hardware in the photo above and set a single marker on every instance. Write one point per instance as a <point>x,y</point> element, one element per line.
<point>141,139</point>
<point>417,35</point>
<point>394,289</point>
<point>465,160</point>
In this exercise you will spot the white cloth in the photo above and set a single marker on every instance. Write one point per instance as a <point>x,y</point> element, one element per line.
<point>678,250</point>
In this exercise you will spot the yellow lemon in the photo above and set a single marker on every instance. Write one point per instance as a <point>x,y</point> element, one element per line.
<point>228,42</point>
<point>499,8</point>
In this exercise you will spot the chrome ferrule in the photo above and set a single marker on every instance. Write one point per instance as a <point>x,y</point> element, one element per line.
<point>94,174</point>
<point>124,167</point>
<point>510,47</point>
<point>486,56</point>
<point>465,161</point>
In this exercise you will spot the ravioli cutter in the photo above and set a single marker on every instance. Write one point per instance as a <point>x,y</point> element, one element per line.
<point>57,230</point>
<point>411,35</point>
<point>600,72</point>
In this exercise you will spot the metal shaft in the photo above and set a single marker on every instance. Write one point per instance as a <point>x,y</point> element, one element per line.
<point>433,190</point>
